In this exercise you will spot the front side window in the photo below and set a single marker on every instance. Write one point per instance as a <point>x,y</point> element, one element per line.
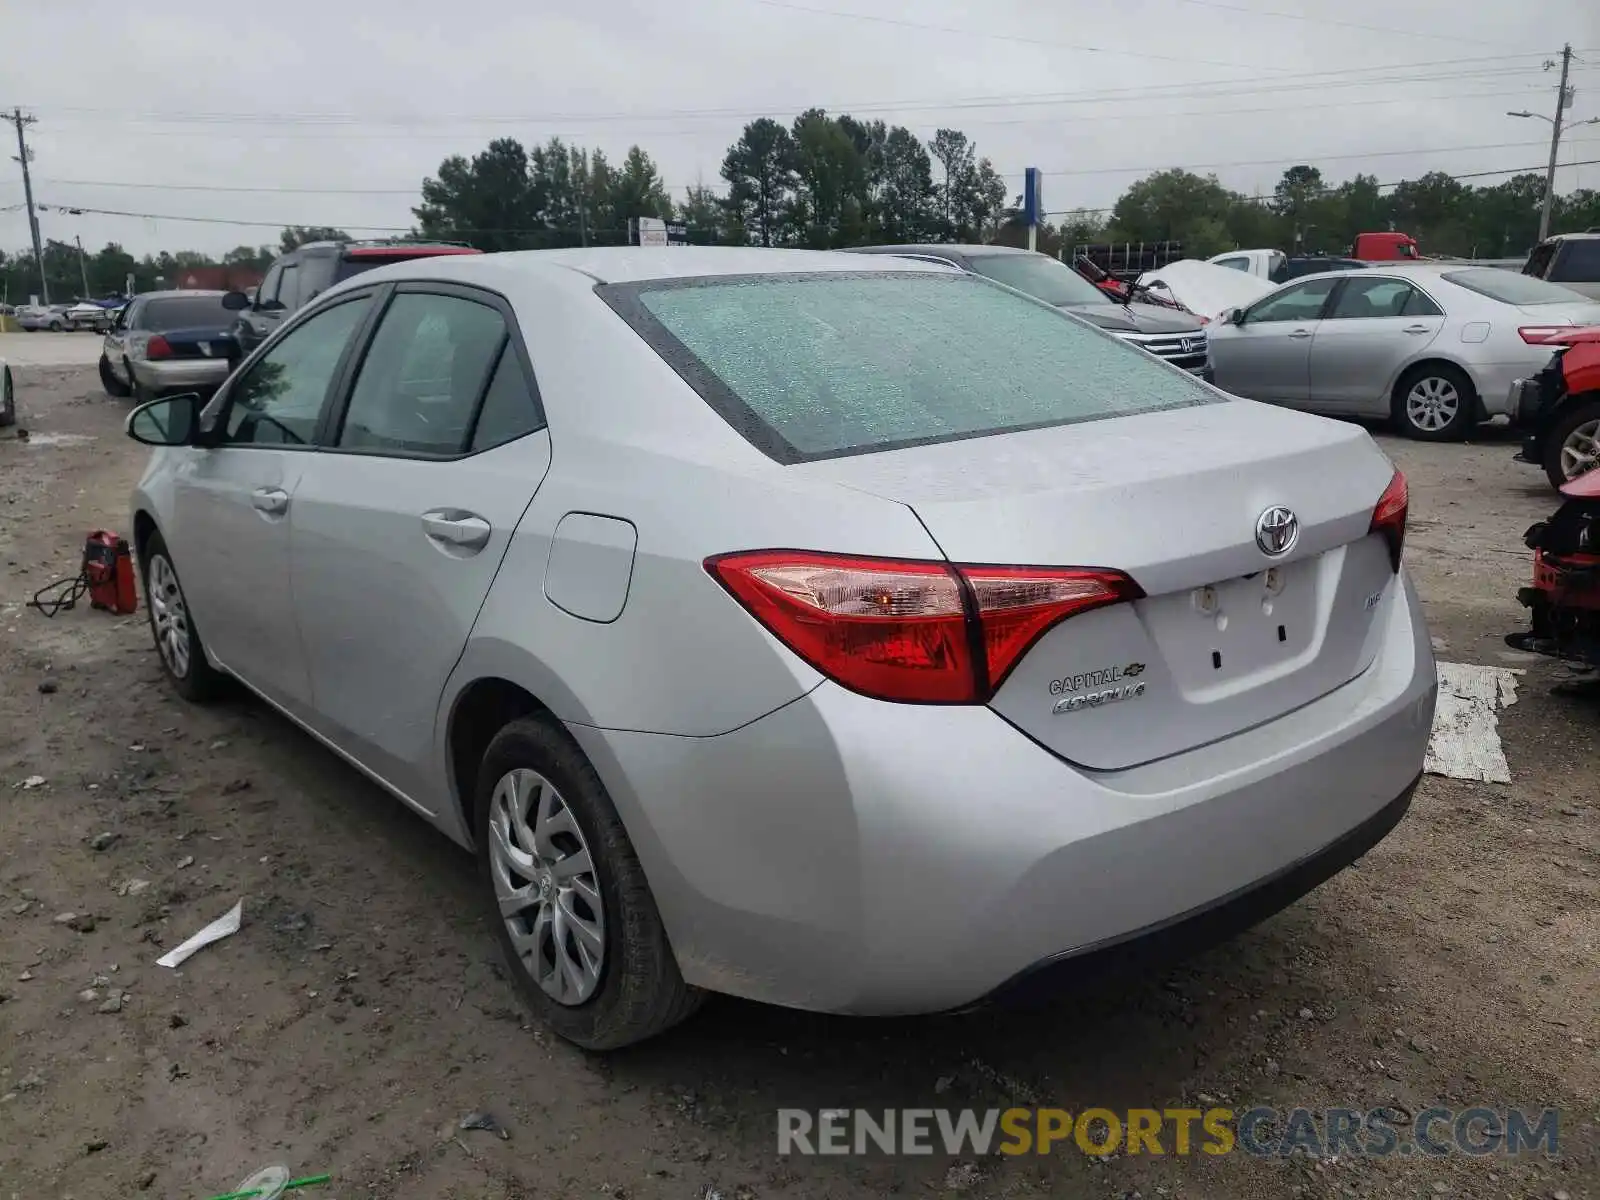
<point>289,287</point>
<point>1238,263</point>
<point>813,366</point>
<point>422,376</point>
<point>267,293</point>
<point>1301,302</point>
<point>279,400</point>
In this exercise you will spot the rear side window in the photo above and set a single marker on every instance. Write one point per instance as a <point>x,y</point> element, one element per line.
<point>420,381</point>
<point>1510,288</point>
<point>821,365</point>
<point>1578,262</point>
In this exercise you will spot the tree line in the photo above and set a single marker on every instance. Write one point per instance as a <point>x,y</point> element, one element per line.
<point>828,181</point>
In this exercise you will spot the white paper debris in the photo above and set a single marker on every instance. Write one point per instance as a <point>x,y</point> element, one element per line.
<point>33,781</point>
<point>1466,732</point>
<point>224,926</point>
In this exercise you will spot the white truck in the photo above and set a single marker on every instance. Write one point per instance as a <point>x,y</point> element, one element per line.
<point>1277,267</point>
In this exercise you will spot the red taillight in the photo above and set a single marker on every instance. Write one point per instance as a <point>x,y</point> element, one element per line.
<point>915,631</point>
<point>158,347</point>
<point>1543,335</point>
<point>1389,517</point>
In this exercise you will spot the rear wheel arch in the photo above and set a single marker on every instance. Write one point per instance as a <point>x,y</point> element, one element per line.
<point>482,709</point>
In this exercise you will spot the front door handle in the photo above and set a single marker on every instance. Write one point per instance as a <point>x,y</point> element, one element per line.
<point>270,500</point>
<point>1416,329</point>
<point>1300,333</point>
<point>465,531</point>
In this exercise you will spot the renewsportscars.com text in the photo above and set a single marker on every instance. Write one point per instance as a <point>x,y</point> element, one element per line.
<point>1260,1132</point>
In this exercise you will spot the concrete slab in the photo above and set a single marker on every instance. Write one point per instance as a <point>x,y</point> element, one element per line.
<point>45,349</point>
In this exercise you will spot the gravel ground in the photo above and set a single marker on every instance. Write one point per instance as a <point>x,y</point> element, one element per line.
<point>359,1014</point>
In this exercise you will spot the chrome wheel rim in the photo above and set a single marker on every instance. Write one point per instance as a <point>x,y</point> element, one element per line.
<point>168,614</point>
<point>1432,404</point>
<point>545,882</point>
<point>1581,451</point>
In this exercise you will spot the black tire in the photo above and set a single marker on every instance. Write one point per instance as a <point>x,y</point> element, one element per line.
<point>1579,415</point>
<point>197,681</point>
<point>8,399</point>
<point>640,991</point>
<point>112,385</point>
<point>1459,425</point>
<point>55,326</point>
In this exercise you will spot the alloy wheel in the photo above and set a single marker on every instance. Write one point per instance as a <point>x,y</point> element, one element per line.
<point>1580,453</point>
<point>169,615</point>
<point>545,882</point>
<point>1432,404</point>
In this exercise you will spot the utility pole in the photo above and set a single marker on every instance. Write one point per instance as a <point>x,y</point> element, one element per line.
<point>22,156</point>
<point>83,266</point>
<point>1555,143</point>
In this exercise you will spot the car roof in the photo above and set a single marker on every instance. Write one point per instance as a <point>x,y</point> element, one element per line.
<point>638,264</point>
<point>964,250</point>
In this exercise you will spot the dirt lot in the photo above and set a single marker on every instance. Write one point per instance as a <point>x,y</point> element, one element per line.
<point>359,1014</point>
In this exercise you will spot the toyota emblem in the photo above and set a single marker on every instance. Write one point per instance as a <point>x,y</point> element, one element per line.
<point>1277,530</point>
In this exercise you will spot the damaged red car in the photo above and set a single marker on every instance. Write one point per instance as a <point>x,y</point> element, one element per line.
<point>1559,408</point>
<point>1564,601</point>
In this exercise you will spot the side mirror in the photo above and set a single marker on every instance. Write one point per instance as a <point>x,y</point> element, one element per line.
<point>235,301</point>
<point>1233,316</point>
<point>168,421</point>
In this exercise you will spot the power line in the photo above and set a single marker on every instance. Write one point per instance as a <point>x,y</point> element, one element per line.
<point>1118,115</point>
<point>1021,39</point>
<point>1301,81</point>
<point>412,190</point>
<point>1283,16</point>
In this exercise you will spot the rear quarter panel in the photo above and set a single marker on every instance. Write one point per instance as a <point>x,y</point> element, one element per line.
<point>630,440</point>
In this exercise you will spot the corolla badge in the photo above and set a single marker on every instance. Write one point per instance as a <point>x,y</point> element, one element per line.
<point>1277,530</point>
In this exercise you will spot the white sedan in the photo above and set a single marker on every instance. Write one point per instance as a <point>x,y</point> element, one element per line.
<point>1436,347</point>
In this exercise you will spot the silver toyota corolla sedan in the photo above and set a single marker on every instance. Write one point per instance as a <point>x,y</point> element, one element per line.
<point>844,633</point>
<point>1435,347</point>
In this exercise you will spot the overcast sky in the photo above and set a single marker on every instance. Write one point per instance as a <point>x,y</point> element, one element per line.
<point>332,112</point>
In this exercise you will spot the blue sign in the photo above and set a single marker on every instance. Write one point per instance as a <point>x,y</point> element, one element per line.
<point>1033,196</point>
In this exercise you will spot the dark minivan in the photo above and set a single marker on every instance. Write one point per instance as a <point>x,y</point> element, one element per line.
<point>303,274</point>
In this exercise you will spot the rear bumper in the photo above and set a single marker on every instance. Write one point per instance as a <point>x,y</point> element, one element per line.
<point>172,375</point>
<point>1196,930</point>
<point>847,855</point>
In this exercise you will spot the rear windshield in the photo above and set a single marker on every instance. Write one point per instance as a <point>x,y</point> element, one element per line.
<point>1041,277</point>
<point>181,312</point>
<point>818,366</point>
<point>1511,288</point>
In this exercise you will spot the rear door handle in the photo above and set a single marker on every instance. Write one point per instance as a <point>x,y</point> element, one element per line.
<point>1300,333</point>
<point>466,532</point>
<point>270,500</point>
<point>1416,329</point>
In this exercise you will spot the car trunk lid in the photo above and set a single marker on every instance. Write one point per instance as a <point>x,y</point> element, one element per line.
<point>1226,637</point>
